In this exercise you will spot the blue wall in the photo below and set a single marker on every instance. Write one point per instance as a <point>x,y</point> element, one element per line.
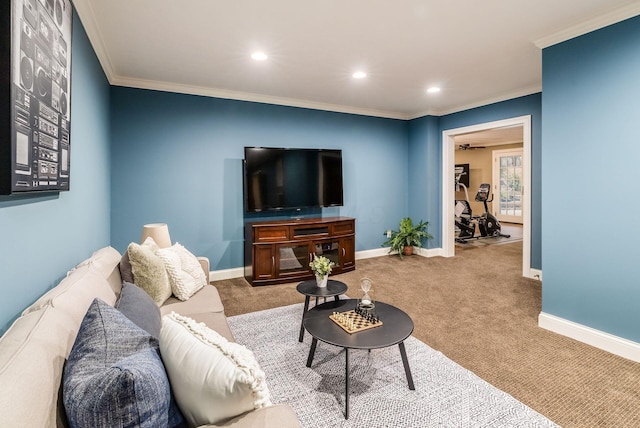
<point>589,166</point>
<point>146,156</point>
<point>178,159</point>
<point>522,106</point>
<point>425,176</point>
<point>44,236</point>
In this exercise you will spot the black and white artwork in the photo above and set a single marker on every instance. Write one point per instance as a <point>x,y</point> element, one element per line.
<point>40,95</point>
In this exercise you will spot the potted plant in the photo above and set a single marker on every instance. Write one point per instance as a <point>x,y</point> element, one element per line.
<point>321,267</point>
<point>407,237</point>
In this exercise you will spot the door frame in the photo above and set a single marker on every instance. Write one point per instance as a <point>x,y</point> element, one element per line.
<point>448,196</point>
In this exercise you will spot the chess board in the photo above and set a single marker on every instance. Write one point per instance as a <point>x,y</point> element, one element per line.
<point>351,322</point>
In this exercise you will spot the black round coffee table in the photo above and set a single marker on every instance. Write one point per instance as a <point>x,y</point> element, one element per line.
<point>310,289</point>
<point>396,327</point>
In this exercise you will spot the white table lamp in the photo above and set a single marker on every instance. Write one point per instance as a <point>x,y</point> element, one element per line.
<point>159,232</point>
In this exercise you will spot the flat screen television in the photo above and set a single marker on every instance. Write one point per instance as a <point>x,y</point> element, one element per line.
<point>282,179</point>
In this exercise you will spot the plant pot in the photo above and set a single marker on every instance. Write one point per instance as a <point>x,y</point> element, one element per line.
<point>322,282</point>
<point>407,251</point>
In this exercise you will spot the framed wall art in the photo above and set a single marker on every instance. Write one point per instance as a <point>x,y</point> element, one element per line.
<point>35,94</point>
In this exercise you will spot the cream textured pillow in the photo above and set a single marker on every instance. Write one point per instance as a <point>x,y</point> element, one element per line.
<point>148,270</point>
<point>185,273</point>
<point>212,379</point>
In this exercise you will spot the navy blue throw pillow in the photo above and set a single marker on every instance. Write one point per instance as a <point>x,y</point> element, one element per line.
<point>114,375</point>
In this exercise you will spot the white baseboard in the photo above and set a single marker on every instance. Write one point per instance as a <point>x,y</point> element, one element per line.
<point>534,274</point>
<point>429,252</point>
<point>369,254</point>
<point>605,341</point>
<point>218,275</point>
<point>424,252</point>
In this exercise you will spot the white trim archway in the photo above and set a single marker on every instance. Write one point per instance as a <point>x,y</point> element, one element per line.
<point>448,161</point>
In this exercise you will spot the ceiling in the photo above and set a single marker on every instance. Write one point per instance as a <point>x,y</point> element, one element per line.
<point>477,52</point>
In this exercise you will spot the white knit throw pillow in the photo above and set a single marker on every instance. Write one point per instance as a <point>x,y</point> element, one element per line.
<point>185,273</point>
<point>212,379</point>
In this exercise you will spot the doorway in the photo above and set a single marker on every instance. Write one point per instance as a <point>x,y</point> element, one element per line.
<point>448,185</point>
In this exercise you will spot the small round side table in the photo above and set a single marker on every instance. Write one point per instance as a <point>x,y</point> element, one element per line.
<point>310,289</point>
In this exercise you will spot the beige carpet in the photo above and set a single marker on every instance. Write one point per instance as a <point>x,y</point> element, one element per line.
<point>478,310</point>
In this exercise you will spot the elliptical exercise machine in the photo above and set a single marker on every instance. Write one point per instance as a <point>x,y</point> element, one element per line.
<point>463,217</point>
<point>488,224</point>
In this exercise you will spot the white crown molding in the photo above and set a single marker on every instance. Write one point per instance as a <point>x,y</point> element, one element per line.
<point>85,12</point>
<point>528,90</point>
<point>605,341</point>
<point>291,102</point>
<point>613,17</point>
<point>258,98</point>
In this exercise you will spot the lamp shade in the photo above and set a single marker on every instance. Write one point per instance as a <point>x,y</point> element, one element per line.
<point>159,232</point>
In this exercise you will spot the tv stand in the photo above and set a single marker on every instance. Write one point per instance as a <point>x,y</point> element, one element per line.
<point>279,251</point>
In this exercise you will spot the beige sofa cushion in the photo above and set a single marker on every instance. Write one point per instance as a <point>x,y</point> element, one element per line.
<point>207,299</point>
<point>82,284</point>
<point>32,356</point>
<point>280,415</point>
<point>73,276</point>
<point>76,299</point>
<point>106,262</point>
<point>204,306</point>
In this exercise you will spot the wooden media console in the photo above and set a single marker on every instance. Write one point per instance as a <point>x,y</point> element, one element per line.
<point>279,251</point>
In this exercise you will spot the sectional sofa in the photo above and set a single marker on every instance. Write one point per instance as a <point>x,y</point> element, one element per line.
<point>34,351</point>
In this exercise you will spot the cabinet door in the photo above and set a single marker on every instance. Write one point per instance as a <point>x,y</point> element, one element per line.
<point>292,259</point>
<point>329,248</point>
<point>348,252</point>
<point>264,262</point>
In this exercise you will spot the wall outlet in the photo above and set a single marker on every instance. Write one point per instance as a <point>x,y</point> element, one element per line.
<point>388,234</point>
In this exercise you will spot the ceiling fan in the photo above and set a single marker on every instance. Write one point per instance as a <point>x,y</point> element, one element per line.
<point>469,147</point>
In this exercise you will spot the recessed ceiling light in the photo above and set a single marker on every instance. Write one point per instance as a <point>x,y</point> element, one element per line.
<point>433,90</point>
<point>359,75</point>
<point>259,56</point>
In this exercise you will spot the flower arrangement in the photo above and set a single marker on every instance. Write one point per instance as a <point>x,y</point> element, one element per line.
<point>321,266</point>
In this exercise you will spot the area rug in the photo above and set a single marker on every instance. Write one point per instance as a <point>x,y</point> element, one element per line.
<point>446,394</point>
